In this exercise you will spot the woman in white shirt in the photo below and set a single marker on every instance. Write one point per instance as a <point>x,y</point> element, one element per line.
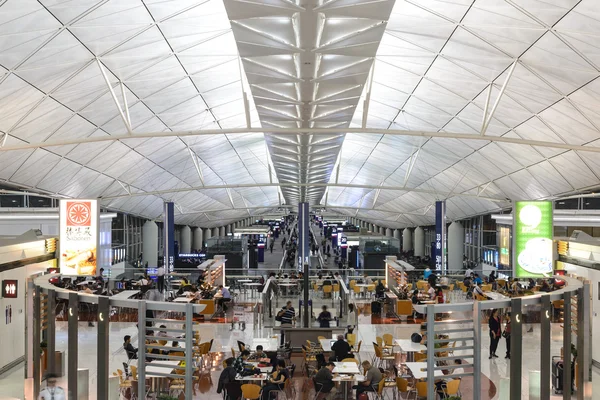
<point>352,317</point>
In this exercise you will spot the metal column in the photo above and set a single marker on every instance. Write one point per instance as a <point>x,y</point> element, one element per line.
<point>516,347</point>
<point>304,254</point>
<point>51,331</point>
<point>103,350</point>
<point>567,384</point>
<point>142,349</point>
<point>37,351</point>
<point>584,342</point>
<point>189,350</point>
<point>72,346</point>
<point>545,341</point>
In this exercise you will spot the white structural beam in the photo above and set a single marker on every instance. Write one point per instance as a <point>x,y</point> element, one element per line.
<point>305,131</point>
<point>300,185</point>
<point>114,97</point>
<point>488,119</point>
<point>197,165</point>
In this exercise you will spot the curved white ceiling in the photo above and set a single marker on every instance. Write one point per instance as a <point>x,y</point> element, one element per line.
<point>524,70</point>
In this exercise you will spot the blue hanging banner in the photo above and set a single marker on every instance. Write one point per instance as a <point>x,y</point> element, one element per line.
<point>440,235</point>
<point>169,236</point>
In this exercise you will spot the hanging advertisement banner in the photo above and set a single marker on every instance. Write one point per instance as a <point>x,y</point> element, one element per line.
<point>440,235</point>
<point>169,236</point>
<point>78,240</point>
<point>532,236</point>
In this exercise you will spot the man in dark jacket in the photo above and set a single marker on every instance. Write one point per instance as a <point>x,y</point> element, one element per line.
<point>227,381</point>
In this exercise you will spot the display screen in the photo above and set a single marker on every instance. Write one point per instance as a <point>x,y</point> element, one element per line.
<point>79,224</point>
<point>533,238</point>
<point>504,245</point>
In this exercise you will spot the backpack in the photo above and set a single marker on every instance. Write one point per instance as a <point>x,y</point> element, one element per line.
<point>279,315</point>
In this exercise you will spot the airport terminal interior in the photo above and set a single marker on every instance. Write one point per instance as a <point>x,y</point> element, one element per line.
<point>299,199</point>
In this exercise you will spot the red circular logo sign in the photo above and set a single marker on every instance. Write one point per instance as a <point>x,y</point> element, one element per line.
<point>79,214</point>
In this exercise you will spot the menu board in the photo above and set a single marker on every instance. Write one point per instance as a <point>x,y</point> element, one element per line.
<point>532,238</point>
<point>78,240</point>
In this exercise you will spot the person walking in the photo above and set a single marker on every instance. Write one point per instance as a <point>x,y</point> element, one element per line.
<point>160,278</point>
<point>271,245</point>
<point>495,332</point>
<point>506,335</point>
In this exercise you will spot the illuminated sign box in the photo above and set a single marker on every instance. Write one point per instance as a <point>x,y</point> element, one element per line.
<point>10,288</point>
<point>79,231</point>
<point>532,235</point>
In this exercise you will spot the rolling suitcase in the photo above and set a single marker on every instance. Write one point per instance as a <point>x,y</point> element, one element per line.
<point>557,374</point>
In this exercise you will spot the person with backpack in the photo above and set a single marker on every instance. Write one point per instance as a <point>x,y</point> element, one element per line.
<point>286,316</point>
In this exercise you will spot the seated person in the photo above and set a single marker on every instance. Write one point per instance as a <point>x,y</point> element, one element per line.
<point>276,380</point>
<point>367,280</point>
<point>432,280</point>
<point>415,297</point>
<point>431,292</point>
<point>176,348</point>
<point>440,296</point>
<point>227,380</point>
<point>259,354</point>
<point>243,368</point>
<point>372,378</point>
<point>340,349</point>
<point>380,290</point>
<point>477,290</point>
<point>129,349</point>
<point>324,318</point>
<point>324,381</point>
<point>545,287</point>
<point>532,284</point>
<point>478,280</point>
<point>223,296</point>
<point>441,384</point>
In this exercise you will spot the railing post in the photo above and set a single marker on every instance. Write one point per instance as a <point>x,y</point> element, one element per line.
<point>37,351</point>
<point>584,342</point>
<point>142,349</point>
<point>476,349</point>
<point>51,331</point>
<point>431,394</point>
<point>189,350</point>
<point>72,346</point>
<point>545,342</point>
<point>567,382</point>
<point>103,349</point>
<point>516,347</point>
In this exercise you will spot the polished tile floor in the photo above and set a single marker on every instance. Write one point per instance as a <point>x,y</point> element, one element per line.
<point>494,371</point>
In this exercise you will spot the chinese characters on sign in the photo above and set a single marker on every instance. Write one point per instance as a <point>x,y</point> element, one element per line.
<point>78,237</point>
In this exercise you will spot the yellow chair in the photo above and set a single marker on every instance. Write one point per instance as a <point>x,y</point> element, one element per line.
<point>134,372</point>
<point>402,385</point>
<point>486,288</point>
<point>404,308</point>
<point>409,287</point>
<point>479,297</point>
<point>356,291</point>
<point>250,391</point>
<point>232,352</point>
<point>421,285</point>
<point>421,389</point>
<point>501,283</point>
<point>388,340</point>
<point>381,357</point>
<point>352,283</point>
<point>336,289</point>
<point>452,388</point>
<point>327,289</point>
<point>357,351</point>
<point>451,287</point>
<point>321,337</point>
<point>420,357</point>
<point>350,359</point>
<point>351,338</point>
<point>464,288</point>
<point>371,290</point>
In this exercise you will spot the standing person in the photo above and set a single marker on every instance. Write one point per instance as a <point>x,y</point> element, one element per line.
<point>160,278</point>
<point>506,335</point>
<point>352,318</point>
<point>286,315</point>
<point>271,245</point>
<point>51,391</point>
<point>324,318</point>
<point>283,243</point>
<point>495,332</point>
